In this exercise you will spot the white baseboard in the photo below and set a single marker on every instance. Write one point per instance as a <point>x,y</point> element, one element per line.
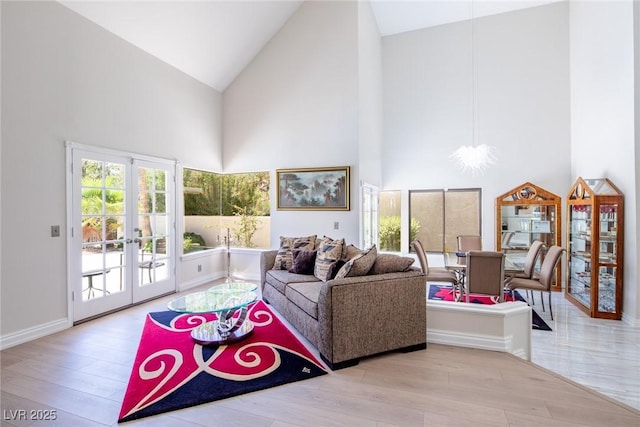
<point>34,332</point>
<point>248,277</point>
<point>492,343</point>
<point>628,320</point>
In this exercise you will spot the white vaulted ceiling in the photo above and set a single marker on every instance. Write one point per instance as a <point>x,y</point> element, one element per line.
<point>213,40</point>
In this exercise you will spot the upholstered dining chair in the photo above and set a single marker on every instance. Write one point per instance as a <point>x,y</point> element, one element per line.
<point>434,274</point>
<point>506,240</point>
<point>543,281</point>
<point>485,274</point>
<point>468,243</point>
<point>529,264</point>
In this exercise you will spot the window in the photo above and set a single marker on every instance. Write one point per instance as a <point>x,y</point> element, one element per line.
<point>390,221</point>
<point>439,216</point>
<point>221,205</point>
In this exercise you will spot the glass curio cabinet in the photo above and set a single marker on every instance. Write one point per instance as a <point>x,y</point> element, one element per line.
<point>524,214</point>
<point>595,255</point>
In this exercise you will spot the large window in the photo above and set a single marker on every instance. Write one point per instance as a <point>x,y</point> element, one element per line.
<point>218,207</point>
<point>439,216</point>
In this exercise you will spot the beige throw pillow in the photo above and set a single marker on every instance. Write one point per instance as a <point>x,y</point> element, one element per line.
<point>350,251</point>
<point>389,263</point>
<point>359,265</point>
<point>284,257</point>
<point>328,255</point>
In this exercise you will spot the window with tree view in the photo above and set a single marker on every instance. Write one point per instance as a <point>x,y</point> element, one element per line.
<point>220,206</point>
<point>389,222</point>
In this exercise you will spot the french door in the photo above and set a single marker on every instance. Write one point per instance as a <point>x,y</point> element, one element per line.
<point>122,222</point>
<point>370,217</point>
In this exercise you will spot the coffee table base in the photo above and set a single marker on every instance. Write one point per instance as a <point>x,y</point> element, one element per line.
<point>208,333</point>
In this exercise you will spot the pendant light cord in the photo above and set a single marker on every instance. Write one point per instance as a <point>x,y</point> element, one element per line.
<point>473,79</point>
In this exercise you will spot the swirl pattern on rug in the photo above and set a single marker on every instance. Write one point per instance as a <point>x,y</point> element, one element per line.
<point>171,371</point>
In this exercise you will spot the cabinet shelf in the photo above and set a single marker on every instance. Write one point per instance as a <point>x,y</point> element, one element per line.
<point>595,235</point>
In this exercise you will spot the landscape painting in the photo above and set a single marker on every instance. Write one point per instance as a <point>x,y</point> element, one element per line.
<point>313,188</point>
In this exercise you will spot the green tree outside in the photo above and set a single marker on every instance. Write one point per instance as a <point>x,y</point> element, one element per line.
<point>390,232</point>
<point>243,195</point>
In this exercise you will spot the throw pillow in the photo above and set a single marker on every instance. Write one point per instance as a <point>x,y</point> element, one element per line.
<point>284,257</point>
<point>328,255</point>
<point>360,264</point>
<point>350,251</point>
<point>389,263</point>
<point>303,262</point>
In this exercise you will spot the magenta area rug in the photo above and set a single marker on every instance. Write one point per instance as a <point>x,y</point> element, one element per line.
<point>171,371</point>
<point>443,293</point>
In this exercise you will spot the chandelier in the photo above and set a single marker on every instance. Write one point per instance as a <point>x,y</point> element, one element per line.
<point>474,158</point>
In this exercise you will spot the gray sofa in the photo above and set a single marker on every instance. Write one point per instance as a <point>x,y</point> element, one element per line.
<point>351,317</point>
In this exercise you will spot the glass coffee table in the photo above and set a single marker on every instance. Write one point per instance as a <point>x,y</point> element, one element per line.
<point>229,301</point>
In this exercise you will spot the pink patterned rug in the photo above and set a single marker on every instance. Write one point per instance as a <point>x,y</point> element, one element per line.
<point>172,372</point>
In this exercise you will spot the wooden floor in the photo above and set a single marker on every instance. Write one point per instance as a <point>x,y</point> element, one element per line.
<point>82,373</point>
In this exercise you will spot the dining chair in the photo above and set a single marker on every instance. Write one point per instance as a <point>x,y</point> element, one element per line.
<point>529,264</point>
<point>541,282</point>
<point>506,239</point>
<point>485,274</point>
<point>468,243</point>
<point>434,274</point>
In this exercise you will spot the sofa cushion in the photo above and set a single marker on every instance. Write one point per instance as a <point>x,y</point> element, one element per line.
<point>303,262</point>
<point>305,296</point>
<point>329,253</point>
<point>284,257</point>
<point>390,263</point>
<point>359,265</point>
<point>279,279</point>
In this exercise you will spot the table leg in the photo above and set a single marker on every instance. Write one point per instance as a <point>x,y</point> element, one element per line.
<point>226,329</point>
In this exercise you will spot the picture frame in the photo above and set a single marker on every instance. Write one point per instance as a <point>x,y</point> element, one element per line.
<point>325,188</point>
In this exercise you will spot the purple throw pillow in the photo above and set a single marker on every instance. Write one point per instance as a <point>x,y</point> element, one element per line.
<point>303,262</point>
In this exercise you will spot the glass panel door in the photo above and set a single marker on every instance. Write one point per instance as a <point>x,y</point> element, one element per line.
<point>369,215</point>
<point>154,230</point>
<point>122,243</point>
<point>607,259</point>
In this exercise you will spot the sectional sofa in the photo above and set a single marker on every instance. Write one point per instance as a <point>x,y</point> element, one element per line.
<point>350,304</point>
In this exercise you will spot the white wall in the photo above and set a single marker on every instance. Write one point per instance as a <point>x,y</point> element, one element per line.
<point>521,95</point>
<point>296,105</point>
<point>603,112</point>
<point>633,248</point>
<point>64,78</point>
<point>370,116</point>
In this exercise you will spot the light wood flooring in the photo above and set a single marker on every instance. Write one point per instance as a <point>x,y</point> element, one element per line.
<point>82,373</point>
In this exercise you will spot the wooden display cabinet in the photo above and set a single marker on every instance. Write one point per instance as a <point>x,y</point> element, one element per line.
<point>595,217</point>
<point>528,213</point>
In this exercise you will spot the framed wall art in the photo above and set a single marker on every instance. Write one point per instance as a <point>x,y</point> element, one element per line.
<point>313,189</point>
